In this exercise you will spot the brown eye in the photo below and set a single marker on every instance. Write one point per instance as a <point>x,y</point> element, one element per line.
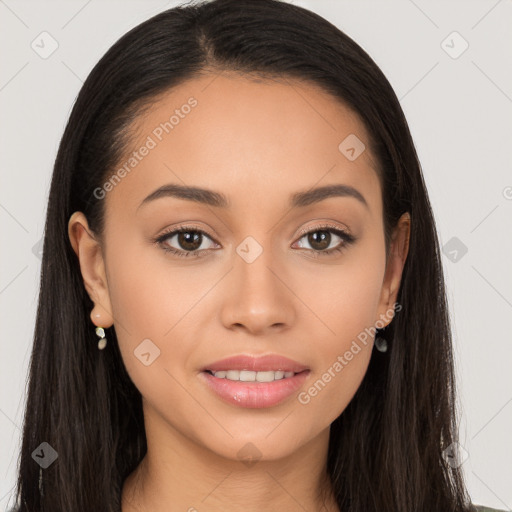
<point>189,240</point>
<point>319,240</point>
<point>186,242</point>
<point>325,240</point>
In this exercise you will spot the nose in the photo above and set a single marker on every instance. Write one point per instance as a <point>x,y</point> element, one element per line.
<point>257,298</point>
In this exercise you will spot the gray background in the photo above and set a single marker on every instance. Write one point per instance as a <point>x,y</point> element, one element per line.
<point>459,107</point>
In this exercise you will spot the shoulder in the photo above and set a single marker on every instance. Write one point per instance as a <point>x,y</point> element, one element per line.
<point>482,508</point>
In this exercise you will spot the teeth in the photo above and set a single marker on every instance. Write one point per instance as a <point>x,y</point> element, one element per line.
<point>247,376</point>
<point>250,376</point>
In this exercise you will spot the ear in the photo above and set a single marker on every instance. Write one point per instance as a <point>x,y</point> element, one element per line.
<point>399,248</point>
<point>92,266</point>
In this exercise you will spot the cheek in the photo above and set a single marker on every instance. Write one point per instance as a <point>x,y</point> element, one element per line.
<point>331,389</point>
<point>156,303</point>
<point>151,291</point>
<point>341,299</point>
<point>342,357</point>
<point>345,301</point>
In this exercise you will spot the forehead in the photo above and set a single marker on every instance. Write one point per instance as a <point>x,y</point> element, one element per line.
<point>256,140</point>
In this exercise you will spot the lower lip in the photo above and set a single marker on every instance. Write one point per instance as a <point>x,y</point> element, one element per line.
<point>255,395</point>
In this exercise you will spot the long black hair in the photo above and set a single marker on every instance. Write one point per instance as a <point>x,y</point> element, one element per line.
<point>386,448</point>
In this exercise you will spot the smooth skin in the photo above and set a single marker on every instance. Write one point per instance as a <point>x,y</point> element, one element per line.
<point>257,142</point>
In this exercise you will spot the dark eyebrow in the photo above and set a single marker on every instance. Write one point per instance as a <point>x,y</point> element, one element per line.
<point>315,195</point>
<point>211,198</point>
<point>199,195</point>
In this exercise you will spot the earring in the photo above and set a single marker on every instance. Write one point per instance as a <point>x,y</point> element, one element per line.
<point>41,492</point>
<point>102,343</point>
<point>381,344</point>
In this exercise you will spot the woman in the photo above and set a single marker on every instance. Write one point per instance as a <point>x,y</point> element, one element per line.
<point>237,211</point>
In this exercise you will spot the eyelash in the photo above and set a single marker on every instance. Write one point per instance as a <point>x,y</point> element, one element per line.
<point>347,239</point>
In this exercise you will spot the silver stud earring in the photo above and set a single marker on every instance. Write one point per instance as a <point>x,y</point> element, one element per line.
<point>381,344</point>
<point>102,343</point>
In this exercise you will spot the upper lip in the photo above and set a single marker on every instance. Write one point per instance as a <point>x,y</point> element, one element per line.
<point>270,362</point>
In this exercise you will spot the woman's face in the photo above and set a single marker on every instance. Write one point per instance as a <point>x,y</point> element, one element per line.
<point>255,283</point>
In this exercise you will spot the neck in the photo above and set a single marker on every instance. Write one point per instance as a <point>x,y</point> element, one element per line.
<point>178,471</point>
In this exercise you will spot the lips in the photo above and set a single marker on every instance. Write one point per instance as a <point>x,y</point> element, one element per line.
<point>255,389</point>
<point>270,362</point>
